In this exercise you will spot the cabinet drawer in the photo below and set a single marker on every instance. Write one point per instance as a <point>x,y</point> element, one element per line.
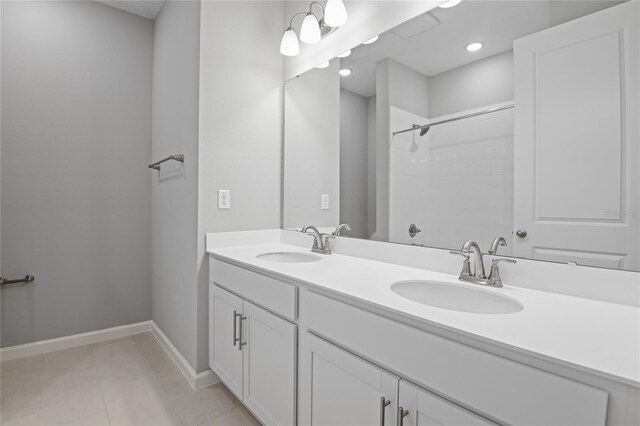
<point>505,390</point>
<point>264,291</point>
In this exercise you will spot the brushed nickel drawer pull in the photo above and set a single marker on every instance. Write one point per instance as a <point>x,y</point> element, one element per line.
<point>402,413</point>
<point>384,403</point>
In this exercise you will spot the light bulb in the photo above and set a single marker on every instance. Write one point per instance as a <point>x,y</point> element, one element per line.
<point>345,72</point>
<point>289,45</point>
<point>323,65</point>
<point>474,47</point>
<point>310,31</point>
<point>450,3</point>
<point>344,54</point>
<point>335,13</point>
<point>371,40</point>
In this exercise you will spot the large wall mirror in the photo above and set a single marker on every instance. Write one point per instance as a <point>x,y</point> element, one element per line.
<point>517,119</point>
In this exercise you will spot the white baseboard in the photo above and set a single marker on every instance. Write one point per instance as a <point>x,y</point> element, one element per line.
<point>68,342</point>
<point>197,381</point>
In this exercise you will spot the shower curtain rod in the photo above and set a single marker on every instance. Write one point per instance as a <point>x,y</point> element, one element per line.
<point>462,117</point>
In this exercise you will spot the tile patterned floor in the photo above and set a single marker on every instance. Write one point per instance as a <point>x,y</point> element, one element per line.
<point>129,381</point>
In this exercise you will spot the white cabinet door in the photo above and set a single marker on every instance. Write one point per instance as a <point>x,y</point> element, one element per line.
<point>422,408</point>
<point>347,391</point>
<point>225,356</point>
<point>577,140</point>
<point>269,348</point>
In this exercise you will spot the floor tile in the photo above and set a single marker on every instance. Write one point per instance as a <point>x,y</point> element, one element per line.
<point>128,381</point>
<point>59,363</point>
<point>70,397</point>
<point>31,420</point>
<point>204,405</point>
<point>20,403</point>
<point>20,374</point>
<point>235,417</point>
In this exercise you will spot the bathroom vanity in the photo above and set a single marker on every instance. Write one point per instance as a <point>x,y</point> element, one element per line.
<point>529,140</point>
<point>307,339</point>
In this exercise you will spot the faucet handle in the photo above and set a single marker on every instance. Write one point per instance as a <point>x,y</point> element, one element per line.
<point>501,259</point>
<point>460,253</point>
<point>494,276</point>
<point>466,265</point>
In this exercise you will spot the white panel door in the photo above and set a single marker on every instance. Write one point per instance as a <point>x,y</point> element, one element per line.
<point>225,354</point>
<point>577,152</point>
<point>347,391</point>
<point>269,348</point>
<point>422,408</point>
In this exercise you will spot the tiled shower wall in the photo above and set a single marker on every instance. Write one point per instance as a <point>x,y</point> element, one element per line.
<point>455,183</point>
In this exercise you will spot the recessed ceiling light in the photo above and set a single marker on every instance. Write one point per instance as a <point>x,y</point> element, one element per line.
<point>474,47</point>
<point>344,72</point>
<point>345,54</point>
<point>323,65</point>
<point>371,40</point>
<point>450,3</point>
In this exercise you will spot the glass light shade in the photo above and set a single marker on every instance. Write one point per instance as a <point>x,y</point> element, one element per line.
<point>323,65</point>
<point>344,54</point>
<point>450,3</point>
<point>345,72</point>
<point>289,45</point>
<point>310,31</point>
<point>371,40</point>
<point>335,14</point>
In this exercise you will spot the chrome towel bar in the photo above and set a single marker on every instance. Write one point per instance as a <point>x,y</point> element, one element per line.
<point>29,278</point>
<point>177,157</point>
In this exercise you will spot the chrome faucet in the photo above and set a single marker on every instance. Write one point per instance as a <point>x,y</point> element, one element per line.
<point>499,241</point>
<point>320,241</point>
<point>478,266</point>
<point>478,276</point>
<point>339,229</point>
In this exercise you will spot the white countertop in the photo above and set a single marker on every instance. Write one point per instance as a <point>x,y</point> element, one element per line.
<point>594,336</point>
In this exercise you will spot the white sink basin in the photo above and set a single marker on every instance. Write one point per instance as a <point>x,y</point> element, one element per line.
<point>289,257</point>
<point>456,297</point>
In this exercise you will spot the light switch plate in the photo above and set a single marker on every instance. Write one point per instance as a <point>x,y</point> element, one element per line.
<point>324,201</point>
<point>224,199</point>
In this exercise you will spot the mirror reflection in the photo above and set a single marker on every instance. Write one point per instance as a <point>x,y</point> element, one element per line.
<point>489,119</point>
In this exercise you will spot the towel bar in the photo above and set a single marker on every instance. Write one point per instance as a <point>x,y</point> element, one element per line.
<point>177,157</point>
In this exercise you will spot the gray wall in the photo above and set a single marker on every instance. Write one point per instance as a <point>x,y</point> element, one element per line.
<point>174,190</point>
<point>408,89</point>
<point>312,150</point>
<point>353,161</point>
<point>76,138</point>
<point>484,82</point>
<point>240,126</point>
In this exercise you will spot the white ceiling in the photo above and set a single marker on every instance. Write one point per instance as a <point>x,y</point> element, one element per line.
<point>435,42</point>
<point>146,8</point>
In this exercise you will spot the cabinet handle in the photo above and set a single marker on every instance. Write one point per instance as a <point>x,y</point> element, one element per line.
<point>241,343</point>
<point>402,413</point>
<point>236,339</point>
<point>384,403</point>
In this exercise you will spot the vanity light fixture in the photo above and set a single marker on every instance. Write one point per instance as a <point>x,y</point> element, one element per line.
<point>335,14</point>
<point>474,47</point>
<point>344,54</point>
<point>345,72</point>
<point>310,30</point>
<point>289,45</point>
<point>313,29</point>
<point>371,40</point>
<point>323,65</point>
<point>450,3</point>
